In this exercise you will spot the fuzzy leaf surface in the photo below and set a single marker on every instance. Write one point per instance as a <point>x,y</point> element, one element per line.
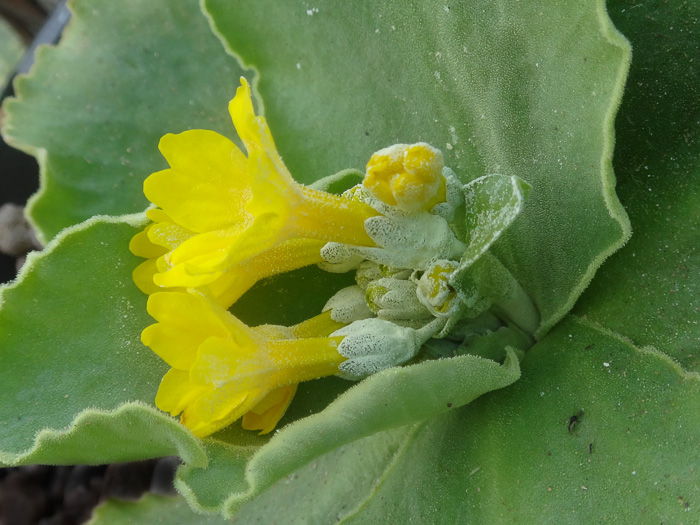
<point>629,457</point>
<point>493,202</point>
<point>150,509</point>
<point>650,290</point>
<point>77,384</point>
<point>392,398</point>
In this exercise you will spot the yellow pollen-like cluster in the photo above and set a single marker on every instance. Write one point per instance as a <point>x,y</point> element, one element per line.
<point>407,176</point>
<point>436,288</point>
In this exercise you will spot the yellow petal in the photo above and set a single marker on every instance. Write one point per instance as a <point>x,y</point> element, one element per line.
<point>143,277</point>
<point>266,414</point>
<point>185,320</point>
<point>162,265</point>
<point>168,235</point>
<point>252,130</point>
<point>206,187</point>
<point>221,361</point>
<point>157,215</point>
<point>321,215</point>
<point>297,360</point>
<point>232,284</point>
<point>141,246</point>
<point>176,392</point>
<point>195,204</point>
<point>217,409</point>
<point>282,258</point>
<point>211,251</point>
<point>178,348</point>
<point>205,155</point>
<point>190,309</point>
<point>320,326</point>
<point>273,187</point>
<point>408,176</point>
<point>179,277</point>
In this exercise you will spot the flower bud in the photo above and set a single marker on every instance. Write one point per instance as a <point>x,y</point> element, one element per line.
<point>339,258</point>
<point>348,305</point>
<point>412,241</point>
<point>373,345</point>
<point>408,176</point>
<point>434,290</point>
<point>369,271</point>
<point>395,299</point>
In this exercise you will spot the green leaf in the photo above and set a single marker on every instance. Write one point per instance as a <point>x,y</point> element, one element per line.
<point>492,204</point>
<point>629,457</point>
<point>650,290</point>
<point>94,108</point>
<point>150,509</point>
<point>392,398</point>
<point>11,49</point>
<point>332,484</point>
<point>499,456</point>
<point>339,182</point>
<point>510,88</point>
<point>289,298</point>
<point>76,380</point>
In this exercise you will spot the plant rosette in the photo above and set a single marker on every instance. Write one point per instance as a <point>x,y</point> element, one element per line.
<point>317,342</point>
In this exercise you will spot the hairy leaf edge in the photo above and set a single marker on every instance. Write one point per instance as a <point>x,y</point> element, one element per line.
<point>608,180</point>
<point>184,443</point>
<point>400,453</point>
<point>190,450</point>
<point>42,54</point>
<point>687,375</point>
<point>137,220</point>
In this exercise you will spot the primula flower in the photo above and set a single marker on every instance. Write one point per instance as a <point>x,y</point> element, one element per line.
<point>395,299</point>
<point>223,370</point>
<point>220,209</point>
<point>163,236</point>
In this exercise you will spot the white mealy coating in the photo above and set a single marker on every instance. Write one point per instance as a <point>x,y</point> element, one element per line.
<point>339,258</point>
<point>373,345</point>
<point>454,197</point>
<point>412,241</point>
<point>395,299</point>
<point>348,305</point>
<point>434,289</point>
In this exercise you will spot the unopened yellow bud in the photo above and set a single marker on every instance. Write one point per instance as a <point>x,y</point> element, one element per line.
<point>408,176</point>
<point>434,289</point>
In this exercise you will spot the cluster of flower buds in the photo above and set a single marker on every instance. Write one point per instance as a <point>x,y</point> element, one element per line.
<point>404,281</point>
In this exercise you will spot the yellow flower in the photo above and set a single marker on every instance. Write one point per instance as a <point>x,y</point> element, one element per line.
<point>163,236</point>
<point>223,370</point>
<point>408,176</point>
<point>220,209</point>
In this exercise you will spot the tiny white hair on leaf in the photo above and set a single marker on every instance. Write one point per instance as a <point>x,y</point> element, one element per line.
<point>339,258</point>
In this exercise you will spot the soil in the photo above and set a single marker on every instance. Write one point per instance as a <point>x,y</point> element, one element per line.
<point>67,495</point>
